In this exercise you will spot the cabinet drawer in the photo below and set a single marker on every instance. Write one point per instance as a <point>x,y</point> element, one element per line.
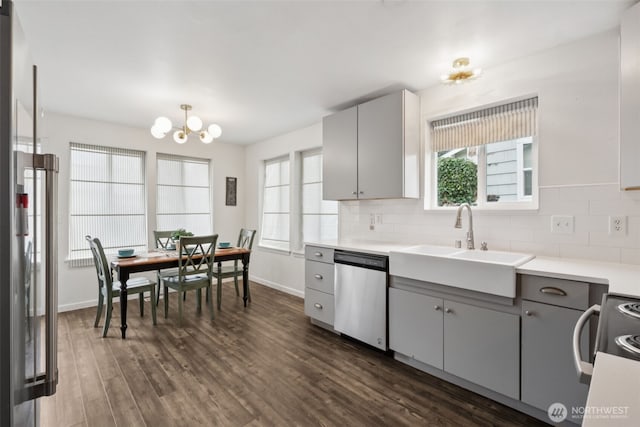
<point>318,305</point>
<point>564,293</point>
<point>316,253</point>
<point>319,276</point>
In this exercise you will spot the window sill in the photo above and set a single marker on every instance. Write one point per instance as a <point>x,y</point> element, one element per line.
<point>273,250</point>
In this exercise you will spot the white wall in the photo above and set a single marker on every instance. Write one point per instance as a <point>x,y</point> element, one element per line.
<point>284,271</point>
<point>78,286</point>
<point>577,85</point>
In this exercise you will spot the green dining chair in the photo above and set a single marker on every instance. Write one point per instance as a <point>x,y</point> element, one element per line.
<point>195,272</point>
<point>163,241</point>
<point>245,240</point>
<point>108,289</point>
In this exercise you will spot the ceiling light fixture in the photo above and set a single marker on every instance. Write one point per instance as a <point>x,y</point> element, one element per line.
<point>461,72</point>
<point>162,126</point>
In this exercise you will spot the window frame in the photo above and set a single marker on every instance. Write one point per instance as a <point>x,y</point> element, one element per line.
<point>183,160</point>
<point>83,261</point>
<point>261,241</point>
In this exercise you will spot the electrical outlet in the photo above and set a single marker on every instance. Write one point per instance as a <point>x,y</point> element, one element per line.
<point>372,222</point>
<point>617,226</point>
<point>562,224</point>
<point>378,218</point>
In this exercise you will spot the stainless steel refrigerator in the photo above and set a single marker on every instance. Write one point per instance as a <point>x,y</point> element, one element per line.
<point>28,258</point>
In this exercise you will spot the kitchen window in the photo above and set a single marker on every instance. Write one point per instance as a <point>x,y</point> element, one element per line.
<point>319,217</point>
<point>275,204</point>
<point>107,200</point>
<point>183,194</point>
<point>487,158</point>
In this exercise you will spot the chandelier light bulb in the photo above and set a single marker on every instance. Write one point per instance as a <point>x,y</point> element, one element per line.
<point>206,137</point>
<point>215,130</point>
<point>194,123</point>
<point>163,125</point>
<point>180,137</point>
<point>156,132</point>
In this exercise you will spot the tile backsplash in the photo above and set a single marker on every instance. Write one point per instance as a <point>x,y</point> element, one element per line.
<point>406,221</point>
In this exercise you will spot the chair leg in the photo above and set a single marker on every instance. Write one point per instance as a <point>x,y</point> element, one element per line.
<point>153,306</point>
<point>180,304</point>
<point>107,319</point>
<point>219,293</point>
<point>141,300</point>
<point>199,297</point>
<point>166,301</point>
<point>99,313</point>
<point>158,291</point>
<point>235,282</point>
<point>210,304</point>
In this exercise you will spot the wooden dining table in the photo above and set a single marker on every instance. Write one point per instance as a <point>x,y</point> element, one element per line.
<point>152,261</point>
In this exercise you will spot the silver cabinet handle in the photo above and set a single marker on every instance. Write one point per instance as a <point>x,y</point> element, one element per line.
<point>448,310</point>
<point>361,192</point>
<point>318,276</point>
<point>436,307</point>
<point>549,290</point>
<point>354,192</point>
<point>318,306</point>
<point>584,369</point>
<point>528,313</point>
<point>318,254</point>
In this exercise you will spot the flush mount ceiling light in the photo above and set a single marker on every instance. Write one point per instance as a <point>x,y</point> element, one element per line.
<point>461,72</point>
<point>162,126</point>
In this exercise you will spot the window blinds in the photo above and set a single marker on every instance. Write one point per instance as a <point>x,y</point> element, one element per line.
<point>275,204</point>
<point>319,217</point>
<point>183,194</point>
<point>501,123</point>
<point>107,200</point>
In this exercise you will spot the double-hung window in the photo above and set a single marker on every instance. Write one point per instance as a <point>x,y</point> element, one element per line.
<point>275,204</point>
<point>487,158</point>
<point>183,194</point>
<point>319,217</point>
<point>107,200</point>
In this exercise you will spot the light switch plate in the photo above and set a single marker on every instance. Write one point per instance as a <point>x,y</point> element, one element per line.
<point>562,224</point>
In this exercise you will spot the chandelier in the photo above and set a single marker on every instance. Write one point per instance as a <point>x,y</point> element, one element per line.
<point>162,126</point>
<point>461,72</point>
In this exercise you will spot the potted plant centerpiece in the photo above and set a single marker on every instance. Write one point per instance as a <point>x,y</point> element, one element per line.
<point>175,236</point>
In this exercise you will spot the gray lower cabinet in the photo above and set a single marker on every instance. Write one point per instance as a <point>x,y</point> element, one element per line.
<point>319,280</point>
<point>477,344</point>
<point>415,326</point>
<point>483,346</point>
<point>548,372</point>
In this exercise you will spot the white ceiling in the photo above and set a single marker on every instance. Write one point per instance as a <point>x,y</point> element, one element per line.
<point>263,68</point>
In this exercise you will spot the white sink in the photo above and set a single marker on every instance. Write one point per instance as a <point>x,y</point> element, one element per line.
<point>492,272</point>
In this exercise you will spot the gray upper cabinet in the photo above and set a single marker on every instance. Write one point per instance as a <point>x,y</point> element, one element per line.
<point>371,151</point>
<point>630,99</point>
<point>340,155</point>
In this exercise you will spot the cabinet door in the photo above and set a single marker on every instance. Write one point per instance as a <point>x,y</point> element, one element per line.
<point>415,326</point>
<point>380,147</point>
<point>483,346</point>
<point>548,372</point>
<point>340,155</point>
<point>630,99</point>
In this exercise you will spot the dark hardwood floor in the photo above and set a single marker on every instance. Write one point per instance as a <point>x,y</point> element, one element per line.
<point>263,365</point>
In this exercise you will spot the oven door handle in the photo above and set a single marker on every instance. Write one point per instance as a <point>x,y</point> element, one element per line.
<point>584,369</point>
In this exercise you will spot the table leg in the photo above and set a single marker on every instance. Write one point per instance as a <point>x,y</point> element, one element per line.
<point>123,277</point>
<point>245,278</point>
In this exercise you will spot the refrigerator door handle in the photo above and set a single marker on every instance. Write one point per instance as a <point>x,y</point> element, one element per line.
<point>45,384</point>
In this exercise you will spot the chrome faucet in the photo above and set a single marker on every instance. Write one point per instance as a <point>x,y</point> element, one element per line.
<point>470,244</point>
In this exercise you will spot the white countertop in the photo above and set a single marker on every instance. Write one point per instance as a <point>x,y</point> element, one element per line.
<point>623,279</point>
<point>614,398</point>
<point>377,248</point>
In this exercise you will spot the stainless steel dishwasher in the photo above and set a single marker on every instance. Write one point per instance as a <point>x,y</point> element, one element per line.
<point>361,296</point>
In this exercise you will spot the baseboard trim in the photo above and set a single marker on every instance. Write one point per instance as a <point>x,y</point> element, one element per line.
<point>291,291</point>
